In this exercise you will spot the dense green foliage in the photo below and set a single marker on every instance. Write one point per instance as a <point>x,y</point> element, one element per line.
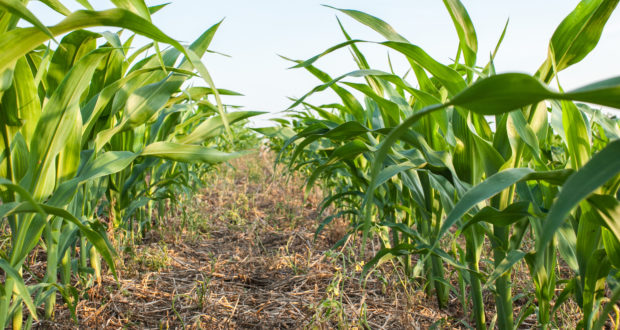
<point>93,129</point>
<point>100,138</point>
<point>463,154</point>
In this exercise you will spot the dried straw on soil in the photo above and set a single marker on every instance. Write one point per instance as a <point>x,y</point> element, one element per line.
<point>246,258</point>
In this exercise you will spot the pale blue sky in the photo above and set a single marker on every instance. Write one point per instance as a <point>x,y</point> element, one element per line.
<point>254,32</point>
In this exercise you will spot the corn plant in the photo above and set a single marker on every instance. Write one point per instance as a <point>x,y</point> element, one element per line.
<point>490,156</point>
<point>89,127</point>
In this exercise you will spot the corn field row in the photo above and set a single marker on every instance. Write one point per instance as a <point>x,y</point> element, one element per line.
<point>94,129</point>
<point>99,138</point>
<point>434,163</point>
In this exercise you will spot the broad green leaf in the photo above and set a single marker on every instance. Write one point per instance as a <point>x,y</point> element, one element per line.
<point>57,6</point>
<point>72,47</point>
<point>464,29</point>
<point>18,42</point>
<point>501,93</point>
<point>348,151</point>
<point>510,91</point>
<point>68,159</point>
<point>601,168</point>
<point>374,23</point>
<point>348,100</point>
<point>17,8</point>
<point>612,247</point>
<point>25,195</point>
<point>154,9</point>
<point>92,111</point>
<point>20,287</point>
<point>137,7</point>
<point>188,153</point>
<point>605,92</point>
<point>86,4</point>
<point>283,133</point>
<point>485,190</point>
<point>58,116</point>
<point>106,251</point>
<point>27,99</point>
<point>576,135</point>
<point>608,209</point>
<point>141,105</point>
<point>578,33</point>
<point>105,164</point>
<point>511,214</point>
<point>453,81</point>
<point>392,170</point>
<point>382,153</point>
<point>450,78</point>
<point>526,133</point>
<point>213,126</point>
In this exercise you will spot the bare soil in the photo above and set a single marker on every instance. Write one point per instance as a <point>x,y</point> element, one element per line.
<point>242,254</point>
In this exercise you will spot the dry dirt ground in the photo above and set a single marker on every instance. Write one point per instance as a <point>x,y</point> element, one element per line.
<point>243,256</point>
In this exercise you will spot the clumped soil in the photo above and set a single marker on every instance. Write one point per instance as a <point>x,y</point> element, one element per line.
<point>242,254</point>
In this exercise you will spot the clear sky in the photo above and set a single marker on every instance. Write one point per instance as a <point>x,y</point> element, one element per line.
<point>255,32</point>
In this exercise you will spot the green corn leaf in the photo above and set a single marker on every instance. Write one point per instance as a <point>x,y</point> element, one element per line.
<point>494,185</point>
<point>382,153</point>
<point>601,168</point>
<point>392,170</point>
<point>526,133</point>
<point>18,42</point>
<point>72,47</point>
<point>86,4</point>
<point>605,92</point>
<point>608,209</point>
<point>23,193</point>
<point>188,153</point>
<point>154,9</point>
<point>106,251</point>
<point>453,81</point>
<point>347,98</point>
<point>450,78</point>
<point>212,126</point>
<point>505,92</point>
<point>27,100</point>
<point>504,266</point>
<point>501,93</point>
<point>105,164</point>
<point>465,30</point>
<point>94,109</point>
<point>6,77</point>
<point>511,214</point>
<point>137,7</point>
<point>141,105</point>
<point>19,287</point>
<point>9,208</point>
<point>576,134</point>
<point>348,151</point>
<point>283,133</point>
<point>57,6</point>
<point>60,113</point>
<point>374,23</point>
<point>17,8</point>
<point>578,34</point>
<point>612,247</point>
<point>485,190</point>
